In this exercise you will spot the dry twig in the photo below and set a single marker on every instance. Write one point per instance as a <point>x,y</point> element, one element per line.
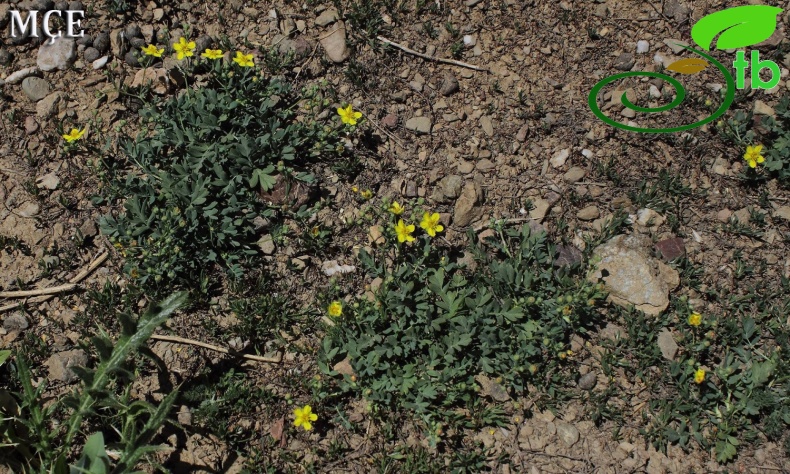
<point>181,340</point>
<point>53,290</point>
<point>74,281</point>
<point>431,58</point>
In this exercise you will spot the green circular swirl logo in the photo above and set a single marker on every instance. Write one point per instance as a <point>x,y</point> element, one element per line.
<point>736,27</point>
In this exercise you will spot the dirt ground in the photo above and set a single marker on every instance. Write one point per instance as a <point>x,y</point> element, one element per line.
<point>517,126</point>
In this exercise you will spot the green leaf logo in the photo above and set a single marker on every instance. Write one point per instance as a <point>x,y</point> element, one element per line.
<point>739,27</point>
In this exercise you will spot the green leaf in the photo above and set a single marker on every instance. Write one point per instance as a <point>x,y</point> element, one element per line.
<point>739,27</point>
<point>761,372</point>
<point>4,355</point>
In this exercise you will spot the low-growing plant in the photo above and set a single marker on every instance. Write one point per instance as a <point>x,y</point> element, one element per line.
<point>31,442</point>
<point>777,141</point>
<point>194,190</point>
<point>422,341</point>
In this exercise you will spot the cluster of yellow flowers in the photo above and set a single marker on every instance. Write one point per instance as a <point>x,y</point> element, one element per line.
<point>186,49</point>
<point>430,224</point>
<point>366,194</point>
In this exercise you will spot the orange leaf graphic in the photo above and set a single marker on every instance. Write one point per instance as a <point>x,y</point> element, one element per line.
<point>688,66</point>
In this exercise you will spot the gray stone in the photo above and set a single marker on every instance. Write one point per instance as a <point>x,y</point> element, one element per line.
<point>521,136</point>
<point>675,9</point>
<point>88,229</point>
<point>574,175</point>
<point>624,62</point>
<point>612,332</point>
<point>667,344</point>
<point>5,17</point>
<point>567,255</point>
<point>202,43</point>
<point>631,276</point>
<point>184,415</point>
<point>782,212</point>
<point>5,57</point>
<point>137,44</point>
<point>119,44</point>
<point>419,124</point>
<point>31,126</point>
<point>266,244</point>
<point>568,433</point>
<point>48,181</point>
<point>488,126</point>
<point>28,209</point>
<point>327,17</point>
<point>35,88</point>
<point>299,47</point>
<point>560,157</point>
<point>102,42</point>
<point>133,31</point>
<point>485,165</point>
<point>334,43</point>
<point>449,85</point>
<point>60,364</point>
<point>15,322</point>
<point>675,45</point>
<point>131,58</point>
<point>451,186</point>
<point>761,108</point>
<point>99,63</point>
<point>390,121</point>
<point>91,54</point>
<point>466,209</point>
<point>58,55</point>
<point>588,381</point>
<point>540,208</point>
<point>589,213</point>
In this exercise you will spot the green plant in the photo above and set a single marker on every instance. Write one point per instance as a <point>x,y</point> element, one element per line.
<point>433,329</point>
<point>194,190</point>
<point>777,141</point>
<point>38,445</point>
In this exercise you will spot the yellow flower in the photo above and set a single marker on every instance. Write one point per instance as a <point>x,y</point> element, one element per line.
<point>430,223</point>
<point>753,156</point>
<point>212,53</point>
<point>354,189</point>
<point>396,208</point>
<point>152,50</point>
<point>348,115</point>
<point>366,194</point>
<point>404,231</point>
<point>183,48</point>
<point>303,417</point>
<point>695,319</point>
<point>74,135</point>
<point>243,60</point>
<point>699,376</point>
<point>335,309</point>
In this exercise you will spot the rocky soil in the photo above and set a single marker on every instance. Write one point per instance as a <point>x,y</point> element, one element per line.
<point>515,140</point>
